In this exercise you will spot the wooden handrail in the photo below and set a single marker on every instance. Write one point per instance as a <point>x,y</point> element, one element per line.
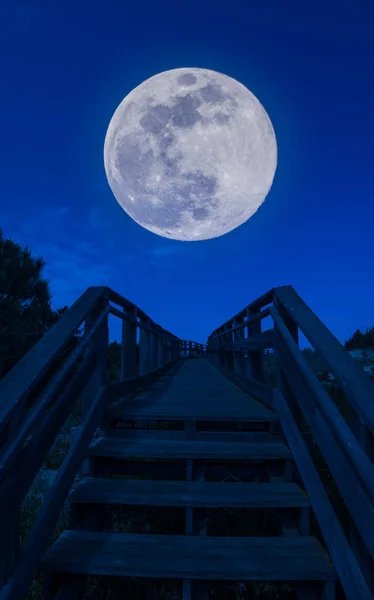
<point>142,320</point>
<point>254,307</point>
<point>27,373</point>
<point>356,384</point>
<point>348,455</point>
<point>341,553</point>
<point>349,465</point>
<point>42,529</point>
<point>237,349</point>
<point>17,442</point>
<point>30,428</point>
<point>339,428</point>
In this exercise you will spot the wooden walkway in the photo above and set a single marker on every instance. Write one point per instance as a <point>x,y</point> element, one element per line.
<point>198,393</point>
<point>194,437</point>
<point>195,397</point>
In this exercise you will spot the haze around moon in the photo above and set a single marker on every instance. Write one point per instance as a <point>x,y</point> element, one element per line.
<point>190,154</point>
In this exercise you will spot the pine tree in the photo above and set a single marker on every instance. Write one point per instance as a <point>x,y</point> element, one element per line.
<point>25,302</point>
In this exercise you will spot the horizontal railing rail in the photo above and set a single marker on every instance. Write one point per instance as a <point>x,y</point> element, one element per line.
<point>237,348</point>
<point>40,393</point>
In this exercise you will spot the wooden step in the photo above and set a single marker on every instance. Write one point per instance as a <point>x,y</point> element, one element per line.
<point>188,493</point>
<point>189,557</point>
<point>220,404</point>
<point>180,449</point>
<point>202,436</point>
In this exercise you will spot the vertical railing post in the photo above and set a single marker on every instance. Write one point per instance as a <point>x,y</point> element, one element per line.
<point>175,349</point>
<point>222,341</point>
<point>153,351</point>
<point>160,352</point>
<point>98,378</point>
<point>128,347</point>
<point>229,355</point>
<point>239,360</point>
<point>144,359</point>
<point>100,339</point>
<point>282,383</point>
<point>144,350</point>
<point>220,354</point>
<point>217,354</point>
<point>255,357</point>
<point>169,351</point>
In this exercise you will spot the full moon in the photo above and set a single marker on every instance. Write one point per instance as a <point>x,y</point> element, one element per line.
<point>190,154</point>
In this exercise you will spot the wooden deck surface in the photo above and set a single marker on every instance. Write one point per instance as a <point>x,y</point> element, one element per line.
<point>94,490</point>
<point>192,557</point>
<point>172,449</point>
<point>196,392</point>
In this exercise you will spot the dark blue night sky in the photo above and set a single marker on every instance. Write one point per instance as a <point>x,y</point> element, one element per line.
<point>65,67</point>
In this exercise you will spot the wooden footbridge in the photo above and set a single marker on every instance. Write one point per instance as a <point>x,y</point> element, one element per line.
<point>199,429</point>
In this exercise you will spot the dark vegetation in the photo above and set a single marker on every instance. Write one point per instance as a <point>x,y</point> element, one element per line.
<point>361,340</point>
<point>25,316</point>
<point>25,303</point>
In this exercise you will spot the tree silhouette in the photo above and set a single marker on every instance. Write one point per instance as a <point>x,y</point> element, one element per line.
<point>360,340</point>
<point>25,302</point>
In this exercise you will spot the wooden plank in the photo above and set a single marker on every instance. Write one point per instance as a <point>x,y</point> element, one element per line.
<point>34,547</point>
<point>16,443</point>
<point>343,558</point>
<point>196,391</point>
<point>173,449</point>
<point>161,470</point>
<point>146,323</point>
<point>128,345</point>
<point>195,407</point>
<point>338,426</point>
<point>189,557</point>
<point>188,493</point>
<point>356,384</point>
<point>261,341</point>
<point>144,352</point>
<point>29,461</point>
<point>202,436</point>
<point>339,447</point>
<point>118,390</point>
<point>254,307</point>
<point>196,412</point>
<point>259,390</point>
<point>22,379</point>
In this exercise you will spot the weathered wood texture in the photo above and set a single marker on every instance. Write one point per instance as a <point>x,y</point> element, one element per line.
<point>51,394</point>
<point>37,396</point>
<point>347,447</point>
<point>350,467</point>
<point>150,435</point>
<point>356,384</point>
<point>42,529</point>
<point>189,493</point>
<point>343,558</point>
<point>172,449</point>
<point>199,393</point>
<point>191,557</point>
<point>22,379</point>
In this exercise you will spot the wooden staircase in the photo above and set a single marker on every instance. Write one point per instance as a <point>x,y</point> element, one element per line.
<point>194,435</point>
<point>199,392</point>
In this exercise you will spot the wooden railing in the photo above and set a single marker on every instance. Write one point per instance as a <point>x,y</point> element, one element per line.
<point>190,349</point>
<point>38,395</point>
<point>237,349</point>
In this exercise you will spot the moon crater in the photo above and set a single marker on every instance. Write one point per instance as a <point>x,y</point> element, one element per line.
<point>190,154</point>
